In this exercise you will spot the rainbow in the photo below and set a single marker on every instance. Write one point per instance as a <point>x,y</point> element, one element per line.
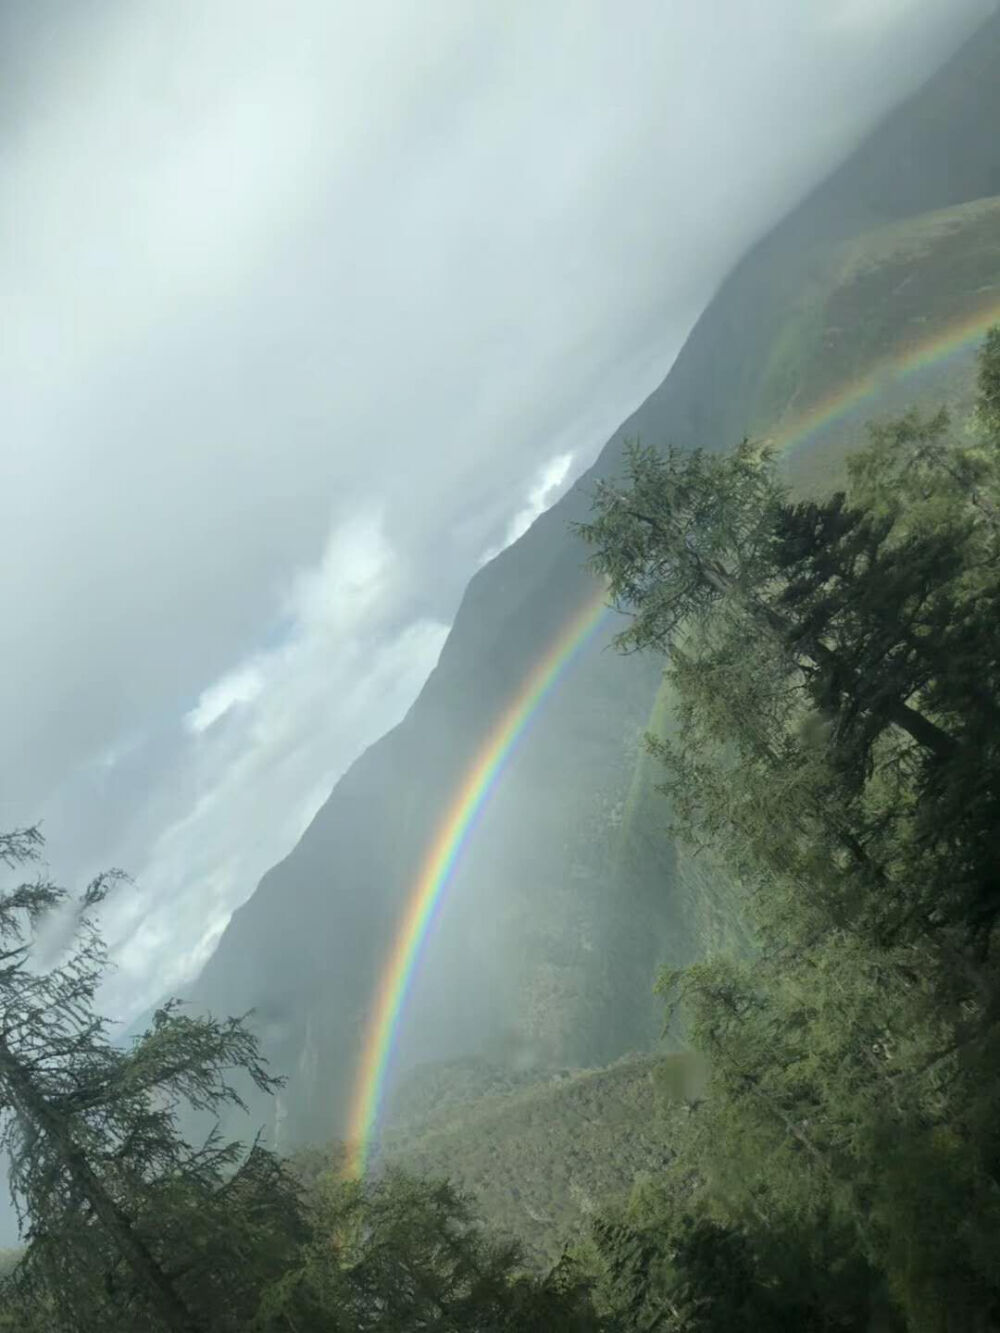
<point>949,340</point>
<point>450,839</point>
<point>482,775</point>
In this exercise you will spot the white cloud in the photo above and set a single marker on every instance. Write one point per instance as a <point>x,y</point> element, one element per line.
<point>350,579</point>
<point>239,687</point>
<point>546,489</point>
<point>545,492</point>
<point>242,795</point>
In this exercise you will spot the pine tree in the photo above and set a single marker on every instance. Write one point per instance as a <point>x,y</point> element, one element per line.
<point>127,1225</point>
<point>397,1253</point>
<point>836,747</point>
<point>872,618</point>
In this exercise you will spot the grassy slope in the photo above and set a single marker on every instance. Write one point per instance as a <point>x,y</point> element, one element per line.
<point>539,1150</point>
<point>880,295</point>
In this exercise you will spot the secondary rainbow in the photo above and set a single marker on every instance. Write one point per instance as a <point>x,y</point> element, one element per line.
<point>950,339</point>
<point>452,835</point>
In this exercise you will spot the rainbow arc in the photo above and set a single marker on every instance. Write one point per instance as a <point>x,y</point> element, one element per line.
<point>450,841</point>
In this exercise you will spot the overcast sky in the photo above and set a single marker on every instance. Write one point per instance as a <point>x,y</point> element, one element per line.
<point>308,308</point>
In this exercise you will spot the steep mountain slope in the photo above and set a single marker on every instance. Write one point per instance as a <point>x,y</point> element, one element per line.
<point>571,894</point>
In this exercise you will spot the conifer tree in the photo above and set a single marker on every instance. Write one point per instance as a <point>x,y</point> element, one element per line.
<point>126,1224</point>
<point>836,751</point>
<point>396,1253</point>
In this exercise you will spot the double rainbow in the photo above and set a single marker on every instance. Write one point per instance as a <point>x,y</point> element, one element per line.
<point>487,767</point>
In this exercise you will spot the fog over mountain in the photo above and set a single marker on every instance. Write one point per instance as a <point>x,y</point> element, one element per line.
<point>309,310</point>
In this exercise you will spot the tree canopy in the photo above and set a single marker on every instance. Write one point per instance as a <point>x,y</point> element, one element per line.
<point>835,751</point>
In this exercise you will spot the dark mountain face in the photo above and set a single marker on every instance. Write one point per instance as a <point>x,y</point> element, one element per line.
<point>570,896</point>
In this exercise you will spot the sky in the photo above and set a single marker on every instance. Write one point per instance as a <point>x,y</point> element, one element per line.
<point>309,309</point>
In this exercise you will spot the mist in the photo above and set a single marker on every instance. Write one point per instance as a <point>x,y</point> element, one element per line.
<point>310,311</point>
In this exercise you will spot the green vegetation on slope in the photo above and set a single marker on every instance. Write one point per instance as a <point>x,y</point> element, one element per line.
<point>540,1159</point>
<point>705,900</point>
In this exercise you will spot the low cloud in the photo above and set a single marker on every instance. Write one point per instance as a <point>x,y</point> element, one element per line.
<point>264,746</point>
<point>239,687</point>
<point>548,486</point>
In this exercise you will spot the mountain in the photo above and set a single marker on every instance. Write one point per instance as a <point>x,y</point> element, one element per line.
<point>571,896</point>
